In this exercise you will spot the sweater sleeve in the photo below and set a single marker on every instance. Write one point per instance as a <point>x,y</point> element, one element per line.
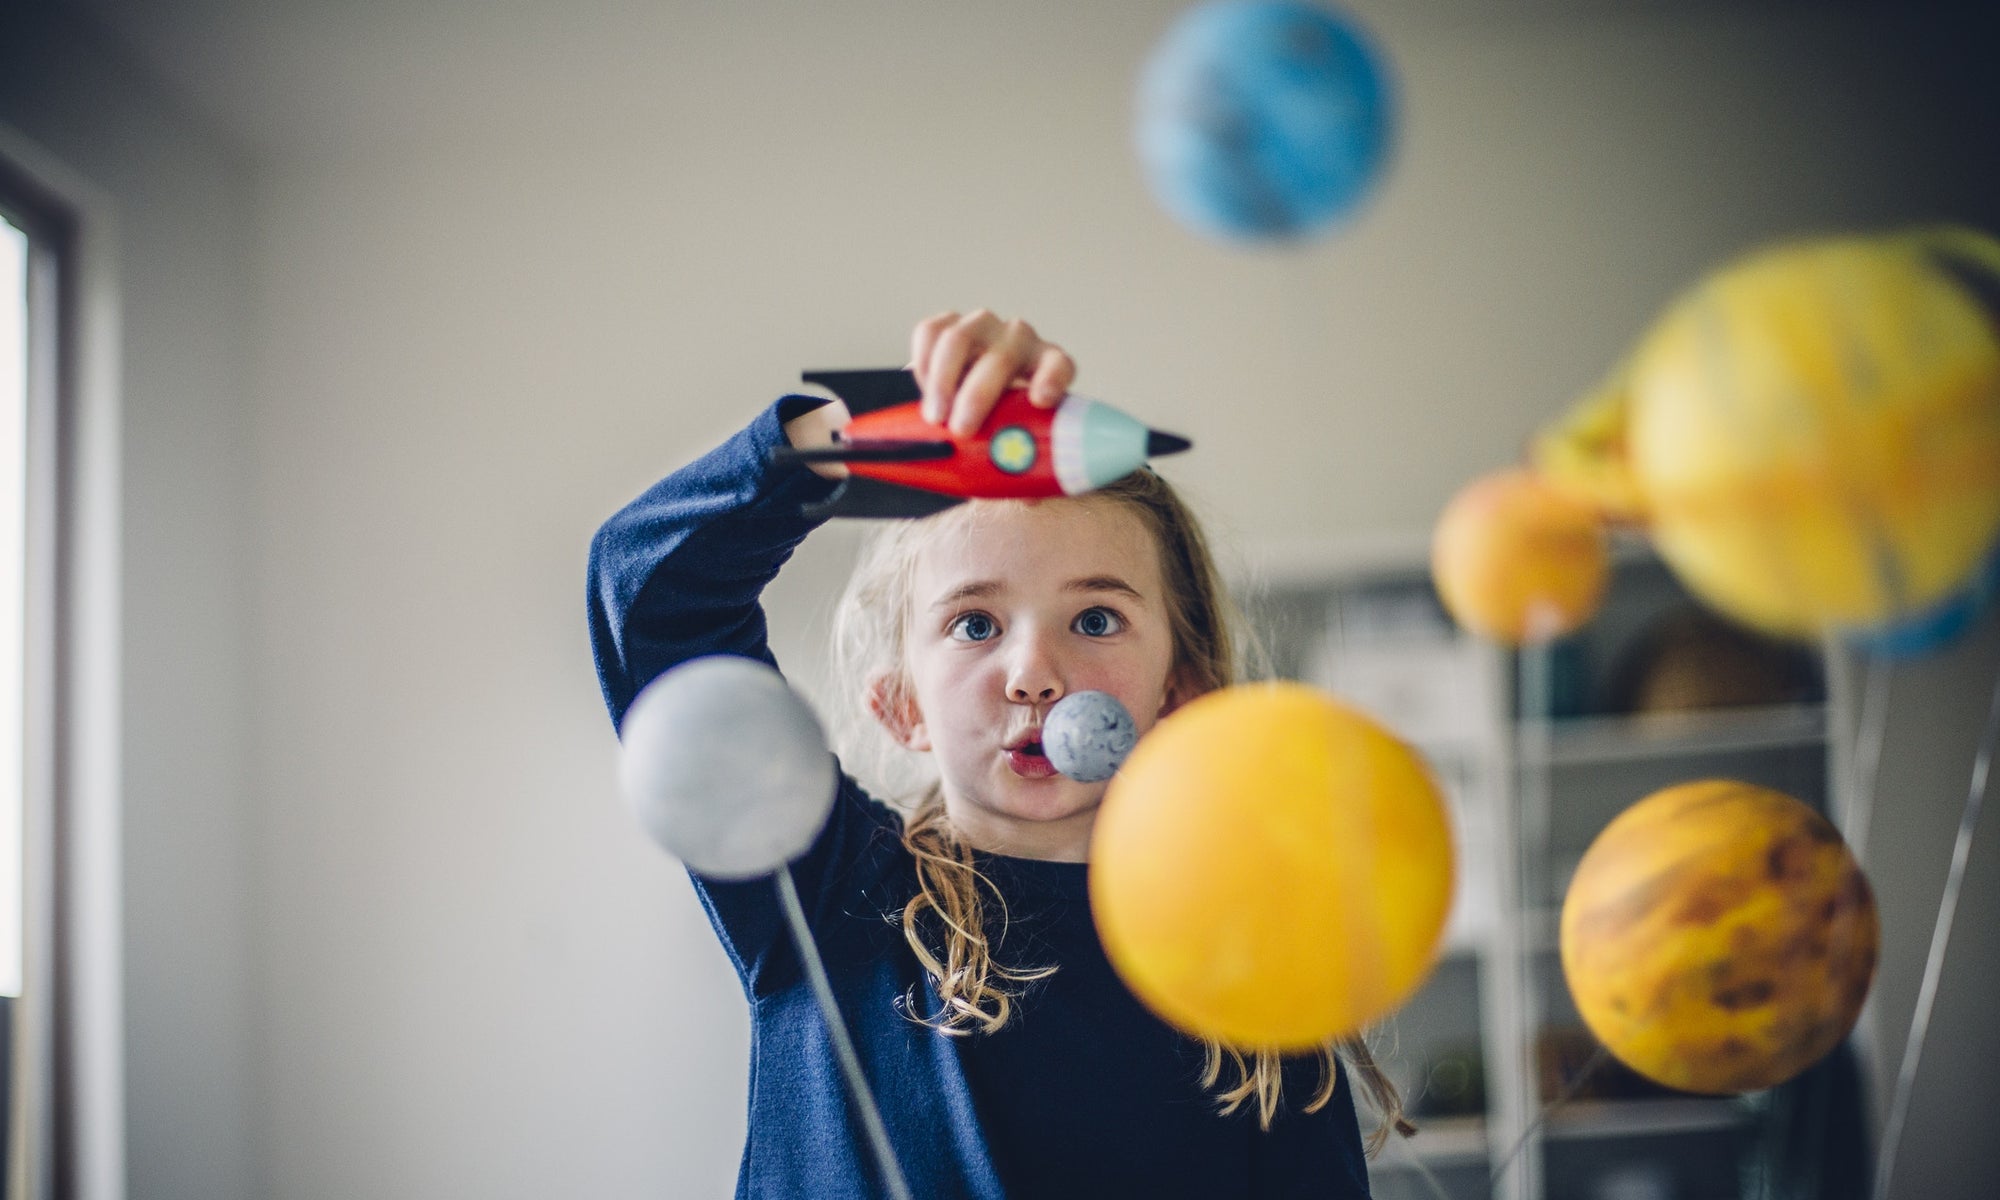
<point>677,574</point>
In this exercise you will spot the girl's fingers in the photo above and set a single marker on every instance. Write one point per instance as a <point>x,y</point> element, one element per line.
<point>957,345</point>
<point>1007,358</point>
<point>923,341</point>
<point>1055,370</point>
<point>964,362</point>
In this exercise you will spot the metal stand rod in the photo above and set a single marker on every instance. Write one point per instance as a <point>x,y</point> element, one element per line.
<point>1595,1061</point>
<point>1422,1168</point>
<point>1920,1020</point>
<point>843,1046</point>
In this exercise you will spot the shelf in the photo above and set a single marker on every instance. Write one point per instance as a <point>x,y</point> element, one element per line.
<point>1574,741</point>
<point>1362,620</point>
<point>1639,1118</point>
<point>1446,1140</point>
<point>1439,1141</point>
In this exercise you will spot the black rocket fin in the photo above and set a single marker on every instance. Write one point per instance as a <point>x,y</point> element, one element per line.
<point>866,391</point>
<point>860,496</point>
<point>872,450</point>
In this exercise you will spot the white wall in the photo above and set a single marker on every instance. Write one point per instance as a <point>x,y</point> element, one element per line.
<point>477,328</point>
<point>178,209</point>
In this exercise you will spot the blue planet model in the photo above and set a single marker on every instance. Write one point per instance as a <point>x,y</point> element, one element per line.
<point>1262,121</point>
<point>1087,736</point>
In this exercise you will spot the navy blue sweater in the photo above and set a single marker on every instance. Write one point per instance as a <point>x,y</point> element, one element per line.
<point>1084,1093</point>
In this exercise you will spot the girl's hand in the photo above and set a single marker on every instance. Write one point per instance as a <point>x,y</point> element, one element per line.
<point>963,363</point>
<point>815,430</point>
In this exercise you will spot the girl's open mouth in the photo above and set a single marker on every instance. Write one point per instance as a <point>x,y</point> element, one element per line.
<point>1028,761</point>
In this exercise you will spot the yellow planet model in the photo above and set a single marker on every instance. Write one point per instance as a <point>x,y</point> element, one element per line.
<point>1271,868</point>
<point>1718,937</point>
<point>1813,433</point>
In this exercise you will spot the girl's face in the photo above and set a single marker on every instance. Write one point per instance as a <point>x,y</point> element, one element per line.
<point>1013,610</point>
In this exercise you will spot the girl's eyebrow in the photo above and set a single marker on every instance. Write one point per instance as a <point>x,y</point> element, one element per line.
<point>978,589</point>
<point>981,589</point>
<point>1103,583</point>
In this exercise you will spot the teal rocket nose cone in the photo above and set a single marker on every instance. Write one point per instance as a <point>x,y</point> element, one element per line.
<point>1096,444</point>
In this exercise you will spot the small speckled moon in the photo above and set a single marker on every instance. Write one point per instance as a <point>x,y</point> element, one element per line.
<point>1087,736</point>
<point>726,767</point>
<point>1271,868</point>
<point>1719,937</point>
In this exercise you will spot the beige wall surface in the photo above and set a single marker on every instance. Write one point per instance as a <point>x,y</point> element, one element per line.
<point>485,286</point>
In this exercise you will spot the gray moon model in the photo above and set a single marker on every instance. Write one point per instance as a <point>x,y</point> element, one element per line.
<point>726,767</point>
<point>1087,736</point>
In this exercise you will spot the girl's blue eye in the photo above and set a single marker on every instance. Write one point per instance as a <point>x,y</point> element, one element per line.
<point>1098,622</point>
<point>974,627</point>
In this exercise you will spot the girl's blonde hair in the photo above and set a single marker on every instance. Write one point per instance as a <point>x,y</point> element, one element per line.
<point>944,923</point>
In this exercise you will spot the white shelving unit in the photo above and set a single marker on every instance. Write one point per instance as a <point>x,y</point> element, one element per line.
<point>1534,760</point>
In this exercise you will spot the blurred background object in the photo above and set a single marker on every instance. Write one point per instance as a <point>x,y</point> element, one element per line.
<point>1688,659</point>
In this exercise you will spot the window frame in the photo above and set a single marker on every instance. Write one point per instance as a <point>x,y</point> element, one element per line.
<point>65,1131</point>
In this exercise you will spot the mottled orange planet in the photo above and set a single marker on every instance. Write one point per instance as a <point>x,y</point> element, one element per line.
<point>1517,560</point>
<point>1719,937</point>
<point>1271,868</point>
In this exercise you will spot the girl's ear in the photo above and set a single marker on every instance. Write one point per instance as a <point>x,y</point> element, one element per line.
<point>890,702</point>
<point>1178,692</point>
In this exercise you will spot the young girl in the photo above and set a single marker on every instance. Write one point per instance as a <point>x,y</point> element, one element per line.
<point>1005,1055</point>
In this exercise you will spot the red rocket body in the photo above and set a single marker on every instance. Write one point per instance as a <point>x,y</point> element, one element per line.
<point>901,465</point>
<point>973,468</point>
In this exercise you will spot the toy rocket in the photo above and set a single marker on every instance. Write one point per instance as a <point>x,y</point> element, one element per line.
<point>901,465</point>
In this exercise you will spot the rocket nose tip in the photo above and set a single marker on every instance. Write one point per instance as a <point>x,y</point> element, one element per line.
<point>1158,443</point>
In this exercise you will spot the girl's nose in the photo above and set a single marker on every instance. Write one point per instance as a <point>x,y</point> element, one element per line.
<point>1027,694</point>
<point>1035,677</point>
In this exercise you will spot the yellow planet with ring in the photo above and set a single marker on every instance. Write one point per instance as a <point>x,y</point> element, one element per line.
<point>1812,434</point>
<point>1271,868</point>
<point>1718,937</point>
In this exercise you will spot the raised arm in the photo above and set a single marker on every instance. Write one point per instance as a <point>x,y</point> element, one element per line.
<point>677,573</point>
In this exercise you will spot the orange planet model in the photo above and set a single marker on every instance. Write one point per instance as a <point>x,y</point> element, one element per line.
<point>1271,868</point>
<point>1719,937</point>
<point>1517,560</point>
